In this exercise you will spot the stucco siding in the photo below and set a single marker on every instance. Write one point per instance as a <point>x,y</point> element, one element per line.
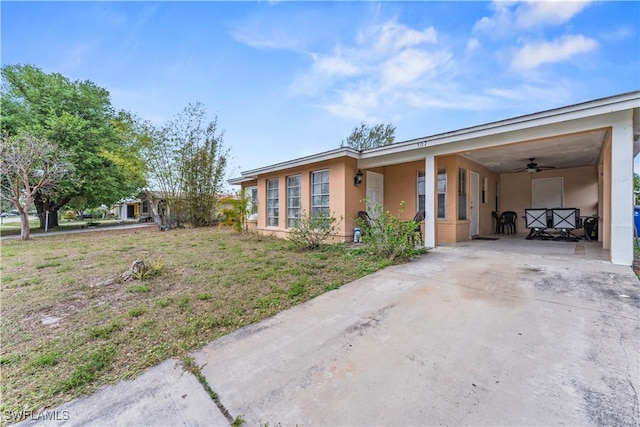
<point>337,196</point>
<point>580,191</point>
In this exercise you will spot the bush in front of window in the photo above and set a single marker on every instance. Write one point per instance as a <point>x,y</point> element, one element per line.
<point>313,230</point>
<point>388,236</point>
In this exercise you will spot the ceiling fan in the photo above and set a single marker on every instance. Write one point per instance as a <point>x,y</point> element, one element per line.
<point>532,166</point>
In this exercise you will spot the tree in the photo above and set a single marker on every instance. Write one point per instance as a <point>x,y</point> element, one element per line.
<point>186,161</point>
<point>30,166</point>
<point>76,116</point>
<point>364,137</point>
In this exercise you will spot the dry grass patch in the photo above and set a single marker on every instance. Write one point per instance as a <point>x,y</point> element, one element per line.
<point>70,323</point>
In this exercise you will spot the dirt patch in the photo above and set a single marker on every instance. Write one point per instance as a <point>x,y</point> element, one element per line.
<point>53,316</point>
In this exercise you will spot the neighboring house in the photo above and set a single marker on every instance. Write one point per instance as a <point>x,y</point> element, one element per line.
<point>138,207</point>
<point>134,208</point>
<point>458,178</point>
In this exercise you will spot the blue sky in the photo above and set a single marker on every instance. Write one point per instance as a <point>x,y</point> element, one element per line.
<point>288,79</point>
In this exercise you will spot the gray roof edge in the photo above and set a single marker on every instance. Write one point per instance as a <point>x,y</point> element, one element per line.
<point>621,100</point>
<point>613,103</point>
<point>314,158</point>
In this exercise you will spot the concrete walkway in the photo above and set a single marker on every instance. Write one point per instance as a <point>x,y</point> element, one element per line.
<point>109,227</point>
<point>457,337</point>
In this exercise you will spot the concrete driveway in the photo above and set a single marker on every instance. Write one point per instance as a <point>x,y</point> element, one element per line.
<point>457,337</point>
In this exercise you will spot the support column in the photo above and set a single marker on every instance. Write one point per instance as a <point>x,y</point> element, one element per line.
<point>430,201</point>
<point>622,188</point>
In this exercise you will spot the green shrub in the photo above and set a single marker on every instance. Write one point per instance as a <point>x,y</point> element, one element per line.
<point>388,236</point>
<point>313,230</point>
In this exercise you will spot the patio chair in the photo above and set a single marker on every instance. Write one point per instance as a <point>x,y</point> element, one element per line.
<point>536,221</point>
<point>508,222</point>
<point>496,217</point>
<point>566,220</point>
<point>419,216</point>
<point>364,216</point>
<point>591,228</point>
<point>365,222</point>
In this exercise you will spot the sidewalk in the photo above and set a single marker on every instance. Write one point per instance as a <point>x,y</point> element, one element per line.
<point>85,230</point>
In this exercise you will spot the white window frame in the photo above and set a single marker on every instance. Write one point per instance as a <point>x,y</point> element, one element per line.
<point>273,199</point>
<point>420,179</point>
<point>320,208</point>
<point>251,193</point>
<point>441,190</point>
<point>463,194</point>
<point>485,189</point>
<point>294,202</point>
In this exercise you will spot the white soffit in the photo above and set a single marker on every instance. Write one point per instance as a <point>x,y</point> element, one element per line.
<point>563,151</point>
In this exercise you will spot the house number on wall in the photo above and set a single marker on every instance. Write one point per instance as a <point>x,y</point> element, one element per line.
<point>421,144</point>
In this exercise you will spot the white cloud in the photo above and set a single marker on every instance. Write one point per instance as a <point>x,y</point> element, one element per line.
<point>355,105</point>
<point>384,63</point>
<point>394,36</point>
<point>501,18</point>
<point>535,54</point>
<point>541,13</point>
<point>473,44</point>
<point>554,92</point>
<point>509,17</point>
<point>266,38</point>
<point>334,65</point>
<point>617,34</point>
<point>410,65</point>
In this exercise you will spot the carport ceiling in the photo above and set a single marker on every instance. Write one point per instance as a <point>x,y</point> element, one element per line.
<point>564,151</point>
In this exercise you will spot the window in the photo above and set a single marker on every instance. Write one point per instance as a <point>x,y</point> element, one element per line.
<point>484,190</point>
<point>293,201</point>
<point>462,193</point>
<point>421,192</point>
<point>442,193</point>
<point>145,206</point>
<point>272,202</point>
<point>251,193</point>
<point>320,193</point>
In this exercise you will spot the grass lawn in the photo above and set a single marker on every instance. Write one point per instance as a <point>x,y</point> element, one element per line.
<point>66,330</point>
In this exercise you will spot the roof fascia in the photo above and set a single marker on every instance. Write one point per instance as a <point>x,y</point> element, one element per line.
<point>240,180</point>
<point>578,111</point>
<point>315,158</point>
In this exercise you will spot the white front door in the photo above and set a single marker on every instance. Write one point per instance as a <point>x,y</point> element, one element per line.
<point>375,191</point>
<point>474,185</point>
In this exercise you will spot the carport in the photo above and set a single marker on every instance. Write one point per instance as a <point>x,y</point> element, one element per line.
<point>589,149</point>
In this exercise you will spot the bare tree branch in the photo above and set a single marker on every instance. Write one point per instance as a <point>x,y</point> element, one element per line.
<point>29,165</point>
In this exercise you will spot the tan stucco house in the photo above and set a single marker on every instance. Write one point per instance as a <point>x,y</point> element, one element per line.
<point>458,178</point>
